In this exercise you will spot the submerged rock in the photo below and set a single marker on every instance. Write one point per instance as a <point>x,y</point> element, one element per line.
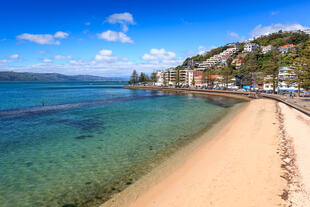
<point>83,136</point>
<point>29,164</point>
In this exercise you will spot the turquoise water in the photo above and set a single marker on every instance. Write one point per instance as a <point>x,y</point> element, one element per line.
<point>90,140</point>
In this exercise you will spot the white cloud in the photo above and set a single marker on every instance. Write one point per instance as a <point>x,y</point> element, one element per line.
<point>159,54</point>
<point>236,36</point>
<point>46,60</point>
<point>77,62</point>
<point>104,63</point>
<point>5,61</point>
<point>61,57</point>
<point>113,36</point>
<point>105,55</point>
<point>3,39</point>
<point>233,34</point>
<point>42,52</point>
<point>85,31</point>
<point>118,68</point>
<point>14,56</point>
<point>10,58</point>
<point>202,49</point>
<point>87,23</point>
<point>161,57</point>
<point>124,19</point>
<point>43,39</point>
<point>260,30</point>
<point>273,13</point>
<point>61,35</point>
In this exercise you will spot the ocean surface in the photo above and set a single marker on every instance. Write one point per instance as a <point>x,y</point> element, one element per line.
<point>90,139</point>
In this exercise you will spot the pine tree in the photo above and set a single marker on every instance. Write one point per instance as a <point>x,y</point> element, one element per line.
<point>142,78</point>
<point>271,68</point>
<point>154,77</point>
<point>177,78</point>
<point>164,79</point>
<point>193,80</point>
<point>300,73</point>
<point>134,77</point>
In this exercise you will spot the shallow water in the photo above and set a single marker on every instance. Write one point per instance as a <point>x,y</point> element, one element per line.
<point>82,154</point>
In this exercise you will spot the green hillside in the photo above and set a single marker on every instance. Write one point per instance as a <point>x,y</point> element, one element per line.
<point>14,76</point>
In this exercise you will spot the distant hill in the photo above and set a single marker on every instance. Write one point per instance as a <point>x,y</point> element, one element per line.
<point>49,77</point>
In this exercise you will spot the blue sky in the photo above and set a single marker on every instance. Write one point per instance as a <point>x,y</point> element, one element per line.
<point>111,38</point>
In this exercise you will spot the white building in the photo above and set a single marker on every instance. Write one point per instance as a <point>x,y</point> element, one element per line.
<point>268,85</point>
<point>218,59</point>
<point>266,49</point>
<point>169,77</point>
<point>250,47</point>
<point>283,85</point>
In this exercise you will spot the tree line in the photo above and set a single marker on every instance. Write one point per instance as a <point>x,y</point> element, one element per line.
<point>142,78</point>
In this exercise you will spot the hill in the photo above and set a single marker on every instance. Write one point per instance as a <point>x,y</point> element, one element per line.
<point>50,77</point>
<point>298,38</point>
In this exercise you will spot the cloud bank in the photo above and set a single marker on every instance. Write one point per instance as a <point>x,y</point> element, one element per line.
<point>44,39</point>
<point>259,30</point>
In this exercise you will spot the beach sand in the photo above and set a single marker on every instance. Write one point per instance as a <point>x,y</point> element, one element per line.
<point>296,132</point>
<point>239,166</point>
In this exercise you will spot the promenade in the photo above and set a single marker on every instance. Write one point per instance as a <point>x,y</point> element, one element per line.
<point>301,104</point>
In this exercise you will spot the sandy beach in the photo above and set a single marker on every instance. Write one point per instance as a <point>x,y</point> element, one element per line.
<point>239,166</point>
<point>295,131</point>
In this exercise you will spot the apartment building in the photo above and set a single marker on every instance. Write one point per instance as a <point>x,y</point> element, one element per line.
<point>268,85</point>
<point>283,84</point>
<point>169,77</point>
<point>250,47</point>
<point>218,59</point>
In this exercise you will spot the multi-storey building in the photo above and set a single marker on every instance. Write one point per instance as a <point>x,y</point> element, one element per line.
<point>268,84</point>
<point>218,59</point>
<point>250,47</point>
<point>285,73</point>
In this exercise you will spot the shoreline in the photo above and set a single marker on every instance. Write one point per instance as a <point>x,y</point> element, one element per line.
<point>173,172</point>
<point>231,94</point>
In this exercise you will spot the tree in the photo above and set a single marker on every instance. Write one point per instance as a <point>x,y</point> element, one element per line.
<point>210,80</point>
<point>154,77</point>
<point>177,78</point>
<point>251,67</point>
<point>142,78</point>
<point>271,68</point>
<point>204,76</point>
<point>193,80</point>
<point>226,72</point>
<point>300,73</point>
<point>164,79</point>
<point>133,77</point>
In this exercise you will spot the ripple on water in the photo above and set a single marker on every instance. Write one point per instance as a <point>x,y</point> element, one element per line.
<point>82,156</point>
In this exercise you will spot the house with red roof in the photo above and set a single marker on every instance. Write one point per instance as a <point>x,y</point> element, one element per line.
<point>286,48</point>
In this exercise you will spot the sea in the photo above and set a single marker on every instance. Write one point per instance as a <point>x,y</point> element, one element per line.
<point>75,144</point>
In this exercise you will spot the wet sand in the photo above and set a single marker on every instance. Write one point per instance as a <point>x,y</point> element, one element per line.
<point>239,166</point>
